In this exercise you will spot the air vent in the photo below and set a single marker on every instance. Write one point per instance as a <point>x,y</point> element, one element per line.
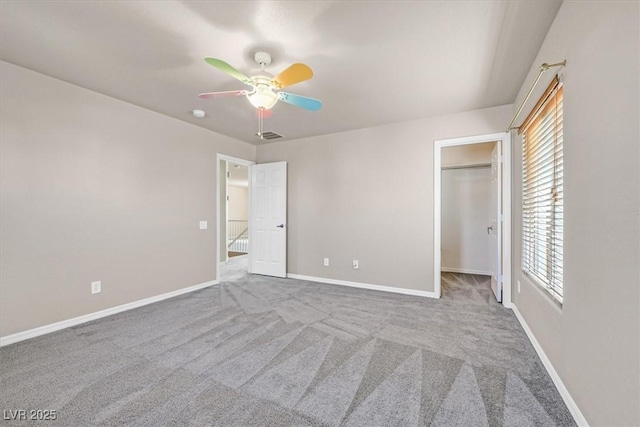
<point>269,135</point>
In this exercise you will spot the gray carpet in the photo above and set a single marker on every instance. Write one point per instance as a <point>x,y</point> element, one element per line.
<point>468,288</point>
<point>260,351</point>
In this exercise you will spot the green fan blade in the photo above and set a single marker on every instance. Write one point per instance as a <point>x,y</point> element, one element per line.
<point>223,66</point>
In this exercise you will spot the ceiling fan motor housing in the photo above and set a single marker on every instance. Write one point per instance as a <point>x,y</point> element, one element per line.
<point>262,58</point>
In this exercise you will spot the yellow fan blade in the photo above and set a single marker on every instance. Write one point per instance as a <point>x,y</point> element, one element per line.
<point>294,74</point>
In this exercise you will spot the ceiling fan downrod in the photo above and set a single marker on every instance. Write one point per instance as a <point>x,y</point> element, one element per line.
<point>261,123</point>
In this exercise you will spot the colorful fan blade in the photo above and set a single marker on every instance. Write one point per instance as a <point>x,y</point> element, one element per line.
<point>300,101</point>
<point>227,94</point>
<point>261,112</point>
<point>294,74</point>
<point>223,66</point>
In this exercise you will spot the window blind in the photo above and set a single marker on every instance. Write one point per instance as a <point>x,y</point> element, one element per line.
<point>543,192</point>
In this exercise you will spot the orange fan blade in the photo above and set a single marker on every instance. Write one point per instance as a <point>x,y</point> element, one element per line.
<point>294,74</point>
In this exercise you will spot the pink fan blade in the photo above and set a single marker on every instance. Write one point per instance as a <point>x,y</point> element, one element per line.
<point>227,94</point>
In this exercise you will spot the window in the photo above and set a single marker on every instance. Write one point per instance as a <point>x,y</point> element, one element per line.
<point>542,192</point>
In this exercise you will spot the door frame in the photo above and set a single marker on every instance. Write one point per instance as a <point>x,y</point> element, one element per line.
<point>503,139</point>
<point>239,161</point>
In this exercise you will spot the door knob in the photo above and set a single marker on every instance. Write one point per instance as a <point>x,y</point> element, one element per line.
<point>280,226</point>
<point>489,229</point>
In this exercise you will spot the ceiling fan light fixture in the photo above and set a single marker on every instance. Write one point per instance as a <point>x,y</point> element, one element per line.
<point>263,98</point>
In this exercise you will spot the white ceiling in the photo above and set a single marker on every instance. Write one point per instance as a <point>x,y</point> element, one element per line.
<point>374,62</point>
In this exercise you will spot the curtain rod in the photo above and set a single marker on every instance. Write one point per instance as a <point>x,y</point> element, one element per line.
<point>544,67</point>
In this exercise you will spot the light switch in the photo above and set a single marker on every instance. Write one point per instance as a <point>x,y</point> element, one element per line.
<point>203,225</point>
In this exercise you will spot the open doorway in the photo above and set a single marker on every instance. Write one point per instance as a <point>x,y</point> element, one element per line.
<point>233,213</point>
<point>237,227</point>
<point>472,218</point>
<point>468,208</point>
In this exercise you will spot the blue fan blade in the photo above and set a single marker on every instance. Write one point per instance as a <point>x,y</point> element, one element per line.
<point>300,101</point>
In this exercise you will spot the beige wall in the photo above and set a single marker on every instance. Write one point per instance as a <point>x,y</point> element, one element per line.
<point>466,214</point>
<point>238,203</point>
<point>593,341</point>
<point>344,202</point>
<point>464,155</point>
<point>93,188</point>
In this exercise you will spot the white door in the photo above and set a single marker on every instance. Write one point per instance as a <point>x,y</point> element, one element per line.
<point>495,228</point>
<point>268,221</point>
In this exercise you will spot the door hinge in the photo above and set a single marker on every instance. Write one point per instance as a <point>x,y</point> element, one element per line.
<point>228,174</point>
<point>227,198</point>
<point>501,218</point>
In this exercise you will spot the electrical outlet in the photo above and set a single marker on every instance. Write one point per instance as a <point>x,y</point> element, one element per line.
<point>326,262</point>
<point>96,287</point>
<point>203,225</point>
<point>355,264</point>
<point>518,286</point>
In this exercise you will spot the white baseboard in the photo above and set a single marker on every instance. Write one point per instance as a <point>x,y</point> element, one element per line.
<point>364,286</point>
<point>568,400</point>
<point>32,333</point>
<point>464,271</point>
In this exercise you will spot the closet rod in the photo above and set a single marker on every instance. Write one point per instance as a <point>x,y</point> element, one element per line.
<point>544,67</point>
<point>476,166</point>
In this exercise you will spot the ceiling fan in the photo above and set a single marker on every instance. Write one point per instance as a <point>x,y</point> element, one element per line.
<point>265,88</point>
